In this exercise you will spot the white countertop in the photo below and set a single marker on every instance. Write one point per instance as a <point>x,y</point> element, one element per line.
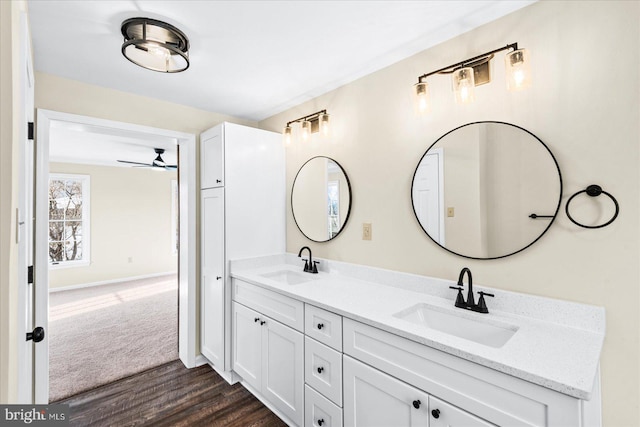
<point>557,344</point>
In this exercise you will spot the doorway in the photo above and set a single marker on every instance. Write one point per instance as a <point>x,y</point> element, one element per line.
<point>146,136</point>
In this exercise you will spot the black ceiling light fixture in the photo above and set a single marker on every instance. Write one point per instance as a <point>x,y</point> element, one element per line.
<point>155,45</point>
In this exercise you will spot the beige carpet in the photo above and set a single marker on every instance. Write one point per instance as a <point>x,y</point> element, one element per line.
<point>100,334</point>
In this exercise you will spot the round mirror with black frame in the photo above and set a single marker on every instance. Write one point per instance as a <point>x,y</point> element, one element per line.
<point>486,190</point>
<point>321,199</point>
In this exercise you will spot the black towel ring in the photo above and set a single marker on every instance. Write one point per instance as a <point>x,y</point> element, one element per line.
<point>593,191</point>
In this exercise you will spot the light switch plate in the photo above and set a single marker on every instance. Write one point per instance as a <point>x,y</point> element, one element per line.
<point>366,231</point>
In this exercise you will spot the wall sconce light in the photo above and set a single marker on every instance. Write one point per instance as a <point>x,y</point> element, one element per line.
<point>472,72</point>
<point>313,123</point>
<point>155,45</point>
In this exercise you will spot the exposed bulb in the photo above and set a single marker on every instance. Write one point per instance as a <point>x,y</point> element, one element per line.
<point>518,70</point>
<point>323,120</point>
<point>287,135</point>
<point>306,130</point>
<point>422,101</point>
<point>464,85</point>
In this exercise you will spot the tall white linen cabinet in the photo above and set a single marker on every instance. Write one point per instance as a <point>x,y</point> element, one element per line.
<point>242,202</point>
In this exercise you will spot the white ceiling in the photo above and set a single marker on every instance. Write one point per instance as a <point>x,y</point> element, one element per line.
<point>249,59</point>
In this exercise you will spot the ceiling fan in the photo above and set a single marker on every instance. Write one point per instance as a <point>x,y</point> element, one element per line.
<point>157,162</point>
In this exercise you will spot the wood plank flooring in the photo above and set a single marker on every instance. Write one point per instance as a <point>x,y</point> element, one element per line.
<point>170,395</point>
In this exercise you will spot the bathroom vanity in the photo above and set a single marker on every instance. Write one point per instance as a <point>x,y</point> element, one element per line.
<point>360,346</point>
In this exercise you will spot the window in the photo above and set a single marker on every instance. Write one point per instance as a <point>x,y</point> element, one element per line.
<point>333,193</point>
<point>68,220</point>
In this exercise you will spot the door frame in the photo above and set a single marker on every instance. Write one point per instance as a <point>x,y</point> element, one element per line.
<point>24,218</point>
<point>187,274</point>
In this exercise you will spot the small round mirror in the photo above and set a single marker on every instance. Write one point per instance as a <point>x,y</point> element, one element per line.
<point>321,199</point>
<point>486,190</point>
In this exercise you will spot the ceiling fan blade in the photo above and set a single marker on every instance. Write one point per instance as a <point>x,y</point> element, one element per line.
<point>135,163</point>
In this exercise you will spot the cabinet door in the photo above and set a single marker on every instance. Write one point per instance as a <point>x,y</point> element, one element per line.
<point>446,415</point>
<point>212,157</point>
<point>213,276</point>
<point>282,369</point>
<point>247,343</point>
<point>373,398</point>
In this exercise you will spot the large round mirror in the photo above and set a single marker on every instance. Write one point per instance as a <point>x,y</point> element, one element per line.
<point>486,190</point>
<point>321,199</point>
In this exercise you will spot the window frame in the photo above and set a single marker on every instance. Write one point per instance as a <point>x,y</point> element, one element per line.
<point>86,220</point>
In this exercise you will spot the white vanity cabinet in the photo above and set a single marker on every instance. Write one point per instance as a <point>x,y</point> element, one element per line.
<point>213,273</point>
<point>242,181</point>
<point>268,354</point>
<point>373,398</point>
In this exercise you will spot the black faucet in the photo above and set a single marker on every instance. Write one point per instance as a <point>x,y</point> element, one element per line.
<point>469,304</point>
<point>310,266</point>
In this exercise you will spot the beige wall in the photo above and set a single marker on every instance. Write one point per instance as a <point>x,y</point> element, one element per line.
<point>70,96</point>
<point>583,104</point>
<point>10,105</point>
<point>130,223</point>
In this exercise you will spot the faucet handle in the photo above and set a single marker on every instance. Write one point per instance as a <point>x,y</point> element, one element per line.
<point>315,266</point>
<point>459,298</point>
<point>306,264</point>
<point>482,305</point>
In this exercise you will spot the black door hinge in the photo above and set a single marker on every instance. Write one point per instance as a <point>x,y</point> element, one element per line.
<point>30,274</point>
<point>30,131</point>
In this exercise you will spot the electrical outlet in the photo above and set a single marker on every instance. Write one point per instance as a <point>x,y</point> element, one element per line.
<point>366,231</point>
<point>450,212</point>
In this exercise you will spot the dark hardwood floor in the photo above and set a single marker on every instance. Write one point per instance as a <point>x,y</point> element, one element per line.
<point>170,395</point>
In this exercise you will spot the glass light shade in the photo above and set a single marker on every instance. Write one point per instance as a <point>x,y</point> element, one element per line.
<point>422,97</point>
<point>287,135</point>
<point>464,85</point>
<point>325,128</point>
<point>306,130</point>
<point>155,45</point>
<point>518,70</point>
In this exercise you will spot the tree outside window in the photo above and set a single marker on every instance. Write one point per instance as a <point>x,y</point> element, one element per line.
<point>68,219</point>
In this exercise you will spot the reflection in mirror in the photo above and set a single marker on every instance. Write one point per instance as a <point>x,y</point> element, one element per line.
<point>476,188</point>
<point>321,199</point>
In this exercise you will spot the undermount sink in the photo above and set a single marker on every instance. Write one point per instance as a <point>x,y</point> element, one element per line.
<point>289,277</point>
<point>490,333</point>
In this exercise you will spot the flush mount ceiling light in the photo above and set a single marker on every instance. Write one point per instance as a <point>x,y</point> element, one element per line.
<point>472,72</point>
<point>155,45</point>
<point>313,123</point>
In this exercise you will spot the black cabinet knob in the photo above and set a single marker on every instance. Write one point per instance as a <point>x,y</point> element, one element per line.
<point>262,322</point>
<point>37,335</point>
<point>256,319</point>
<point>416,404</point>
<point>218,181</point>
<point>321,421</point>
<point>320,325</point>
<point>320,369</point>
<point>218,277</point>
<point>435,413</point>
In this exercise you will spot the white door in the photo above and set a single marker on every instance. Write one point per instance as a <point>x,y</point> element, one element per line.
<point>212,157</point>
<point>446,415</point>
<point>428,194</point>
<point>247,344</point>
<point>213,276</point>
<point>24,229</point>
<point>375,399</point>
<point>283,369</point>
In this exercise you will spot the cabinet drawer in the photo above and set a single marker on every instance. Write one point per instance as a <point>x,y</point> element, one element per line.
<point>491,395</point>
<point>323,369</point>
<point>324,326</point>
<point>319,411</point>
<point>279,307</point>
<point>445,415</point>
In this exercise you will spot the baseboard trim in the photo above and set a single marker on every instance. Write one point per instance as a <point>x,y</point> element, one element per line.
<point>201,360</point>
<point>109,282</point>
